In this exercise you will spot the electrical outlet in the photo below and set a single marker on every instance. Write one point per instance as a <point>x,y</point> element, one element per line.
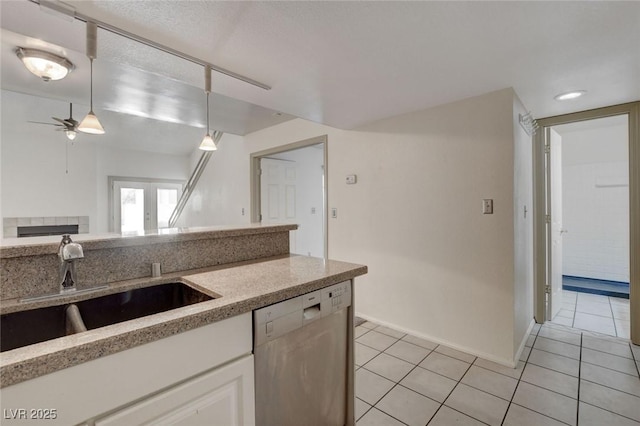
<point>487,206</point>
<point>243,211</point>
<point>313,210</point>
<point>351,179</point>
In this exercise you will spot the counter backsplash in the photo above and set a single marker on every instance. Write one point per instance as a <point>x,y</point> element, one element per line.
<point>32,270</point>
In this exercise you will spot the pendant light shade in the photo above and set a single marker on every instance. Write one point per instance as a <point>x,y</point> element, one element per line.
<point>207,143</point>
<point>90,124</point>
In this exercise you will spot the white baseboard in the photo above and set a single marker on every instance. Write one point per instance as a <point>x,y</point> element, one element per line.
<point>462,348</point>
<point>524,340</point>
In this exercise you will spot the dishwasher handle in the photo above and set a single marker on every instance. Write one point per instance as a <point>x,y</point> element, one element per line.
<point>311,313</point>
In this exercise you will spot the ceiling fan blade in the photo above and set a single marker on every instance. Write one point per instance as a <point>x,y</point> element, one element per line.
<point>49,124</point>
<point>58,119</point>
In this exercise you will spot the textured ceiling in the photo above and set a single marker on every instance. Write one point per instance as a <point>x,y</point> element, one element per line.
<point>349,63</point>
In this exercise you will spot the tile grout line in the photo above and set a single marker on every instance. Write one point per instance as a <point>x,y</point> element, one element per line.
<point>542,414</point>
<point>521,381</point>
<point>608,411</point>
<point>579,380</point>
<point>633,355</point>
<point>609,387</point>
<point>613,318</point>
<point>520,377</point>
<point>464,414</point>
<point>611,369</point>
<point>366,411</point>
<point>586,362</point>
<point>396,357</point>
<point>395,384</point>
<point>449,394</point>
<point>497,372</point>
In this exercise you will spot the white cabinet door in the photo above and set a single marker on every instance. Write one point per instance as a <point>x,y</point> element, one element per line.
<point>223,396</point>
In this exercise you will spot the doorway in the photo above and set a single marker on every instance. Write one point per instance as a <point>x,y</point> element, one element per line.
<point>288,185</point>
<point>549,227</point>
<point>138,205</point>
<point>589,230</point>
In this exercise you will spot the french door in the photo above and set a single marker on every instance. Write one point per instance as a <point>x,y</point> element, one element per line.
<point>140,206</point>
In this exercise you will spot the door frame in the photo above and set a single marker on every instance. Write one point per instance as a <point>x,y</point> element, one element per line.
<point>632,110</point>
<point>551,168</point>
<point>254,159</point>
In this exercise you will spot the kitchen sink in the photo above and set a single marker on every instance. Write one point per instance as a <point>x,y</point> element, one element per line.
<point>28,327</point>
<point>128,305</point>
<point>24,328</point>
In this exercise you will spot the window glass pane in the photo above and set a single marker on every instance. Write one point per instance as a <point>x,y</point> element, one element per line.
<point>167,201</point>
<point>131,209</point>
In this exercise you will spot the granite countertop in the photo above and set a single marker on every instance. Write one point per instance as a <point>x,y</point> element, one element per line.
<point>237,288</point>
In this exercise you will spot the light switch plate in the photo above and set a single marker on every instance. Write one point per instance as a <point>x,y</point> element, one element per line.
<point>334,213</point>
<point>487,206</point>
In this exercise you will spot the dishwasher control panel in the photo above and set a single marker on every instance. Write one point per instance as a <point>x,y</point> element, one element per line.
<point>276,320</point>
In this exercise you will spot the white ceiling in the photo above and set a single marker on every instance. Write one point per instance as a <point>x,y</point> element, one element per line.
<point>349,63</point>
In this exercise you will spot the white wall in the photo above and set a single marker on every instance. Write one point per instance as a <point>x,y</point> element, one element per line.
<point>136,164</point>
<point>223,190</point>
<point>309,238</point>
<point>595,179</point>
<point>438,267</point>
<point>34,178</point>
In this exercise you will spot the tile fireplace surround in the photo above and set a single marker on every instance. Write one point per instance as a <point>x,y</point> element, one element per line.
<point>10,225</point>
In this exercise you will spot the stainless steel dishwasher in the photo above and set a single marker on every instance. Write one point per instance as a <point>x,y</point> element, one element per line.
<point>303,355</point>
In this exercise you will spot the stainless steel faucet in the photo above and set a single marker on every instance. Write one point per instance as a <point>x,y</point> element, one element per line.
<point>68,252</point>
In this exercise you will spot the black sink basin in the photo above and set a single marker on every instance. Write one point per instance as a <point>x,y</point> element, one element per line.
<point>28,327</point>
<point>38,325</point>
<point>128,305</point>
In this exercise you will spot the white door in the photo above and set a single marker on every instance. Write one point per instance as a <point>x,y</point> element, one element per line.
<point>143,206</point>
<point>278,184</point>
<point>554,229</point>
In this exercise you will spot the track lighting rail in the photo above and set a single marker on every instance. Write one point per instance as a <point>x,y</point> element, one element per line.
<point>70,11</point>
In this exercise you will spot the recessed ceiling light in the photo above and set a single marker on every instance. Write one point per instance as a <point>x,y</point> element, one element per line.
<point>569,95</point>
<point>45,65</point>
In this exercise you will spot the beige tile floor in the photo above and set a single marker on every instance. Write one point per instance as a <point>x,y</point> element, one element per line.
<point>565,376</point>
<point>593,312</point>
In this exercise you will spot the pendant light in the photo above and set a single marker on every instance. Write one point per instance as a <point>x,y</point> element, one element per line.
<point>91,124</point>
<point>207,143</point>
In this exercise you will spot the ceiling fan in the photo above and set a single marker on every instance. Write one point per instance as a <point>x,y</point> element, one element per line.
<point>68,125</point>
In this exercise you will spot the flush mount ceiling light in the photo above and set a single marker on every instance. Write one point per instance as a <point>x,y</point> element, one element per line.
<point>91,124</point>
<point>45,65</point>
<point>207,143</point>
<point>569,95</point>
